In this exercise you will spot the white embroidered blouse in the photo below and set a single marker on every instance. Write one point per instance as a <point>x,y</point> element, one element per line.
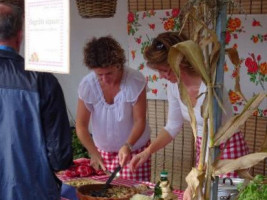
<point>178,111</point>
<point>112,123</point>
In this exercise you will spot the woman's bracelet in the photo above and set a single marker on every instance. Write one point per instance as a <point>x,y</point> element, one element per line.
<point>129,146</point>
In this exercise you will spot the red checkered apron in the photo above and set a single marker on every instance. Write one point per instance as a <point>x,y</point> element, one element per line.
<point>111,161</point>
<point>235,148</point>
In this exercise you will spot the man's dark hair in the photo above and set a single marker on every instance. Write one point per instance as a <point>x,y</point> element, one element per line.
<point>11,21</point>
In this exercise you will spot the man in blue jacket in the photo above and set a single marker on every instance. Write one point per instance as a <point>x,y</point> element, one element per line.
<point>35,138</point>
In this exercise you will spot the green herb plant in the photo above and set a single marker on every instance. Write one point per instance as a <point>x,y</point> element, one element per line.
<point>78,149</point>
<point>255,190</point>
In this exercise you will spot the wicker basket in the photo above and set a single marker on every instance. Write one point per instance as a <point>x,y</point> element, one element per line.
<point>96,8</point>
<point>19,3</point>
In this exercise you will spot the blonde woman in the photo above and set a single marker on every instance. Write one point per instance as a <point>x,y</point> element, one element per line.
<point>156,55</point>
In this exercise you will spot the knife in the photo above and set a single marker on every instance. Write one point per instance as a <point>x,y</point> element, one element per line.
<point>102,192</point>
<point>112,176</point>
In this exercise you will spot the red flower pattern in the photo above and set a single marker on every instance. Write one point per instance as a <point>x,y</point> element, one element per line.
<point>256,23</point>
<point>256,69</point>
<point>251,65</point>
<point>171,22</point>
<point>175,12</point>
<point>138,40</point>
<point>133,54</point>
<point>141,67</point>
<point>130,17</point>
<point>227,37</point>
<point>154,91</point>
<point>152,26</point>
<point>234,97</point>
<point>234,26</point>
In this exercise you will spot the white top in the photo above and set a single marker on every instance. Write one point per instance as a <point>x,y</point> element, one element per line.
<point>178,112</point>
<point>112,123</point>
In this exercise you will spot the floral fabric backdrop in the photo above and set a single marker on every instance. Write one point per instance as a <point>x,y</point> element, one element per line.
<point>248,34</point>
<point>143,27</point>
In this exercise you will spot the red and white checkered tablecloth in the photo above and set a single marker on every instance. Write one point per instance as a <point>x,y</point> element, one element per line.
<point>120,181</point>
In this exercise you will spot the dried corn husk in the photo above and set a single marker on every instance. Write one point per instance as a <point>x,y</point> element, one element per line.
<point>244,173</point>
<point>210,38</point>
<point>234,57</point>
<point>195,180</point>
<point>235,122</point>
<point>244,162</point>
<point>184,22</point>
<point>174,58</point>
<point>194,56</point>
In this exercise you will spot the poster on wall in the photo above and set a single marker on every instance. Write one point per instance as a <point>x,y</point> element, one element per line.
<point>247,33</point>
<point>47,33</point>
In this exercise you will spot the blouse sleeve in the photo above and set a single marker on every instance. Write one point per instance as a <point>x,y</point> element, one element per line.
<point>86,92</point>
<point>175,118</point>
<point>135,84</point>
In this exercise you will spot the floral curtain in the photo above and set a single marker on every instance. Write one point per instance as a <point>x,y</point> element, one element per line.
<point>143,27</point>
<point>246,33</point>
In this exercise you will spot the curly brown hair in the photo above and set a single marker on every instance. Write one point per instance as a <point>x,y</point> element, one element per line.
<point>103,52</point>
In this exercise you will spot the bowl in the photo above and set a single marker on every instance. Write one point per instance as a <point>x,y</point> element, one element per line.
<point>116,192</point>
<point>227,188</point>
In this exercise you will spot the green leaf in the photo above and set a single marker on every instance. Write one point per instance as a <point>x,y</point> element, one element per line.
<point>255,190</point>
<point>78,150</point>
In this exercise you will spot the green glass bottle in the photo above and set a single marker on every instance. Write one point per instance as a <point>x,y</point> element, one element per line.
<point>157,189</point>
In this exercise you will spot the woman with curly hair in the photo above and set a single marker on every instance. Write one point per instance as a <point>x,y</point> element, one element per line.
<point>113,98</point>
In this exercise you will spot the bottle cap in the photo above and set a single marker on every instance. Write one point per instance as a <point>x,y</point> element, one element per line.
<point>163,173</point>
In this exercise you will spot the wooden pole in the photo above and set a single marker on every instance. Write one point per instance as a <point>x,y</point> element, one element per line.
<point>217,113</point>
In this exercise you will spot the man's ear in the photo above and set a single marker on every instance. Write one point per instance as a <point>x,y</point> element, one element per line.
<point>19,39</point>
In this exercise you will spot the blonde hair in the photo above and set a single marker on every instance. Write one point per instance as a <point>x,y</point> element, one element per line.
<point>157,52</point>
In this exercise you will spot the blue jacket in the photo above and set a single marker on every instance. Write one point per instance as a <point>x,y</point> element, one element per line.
<point>35,138</point>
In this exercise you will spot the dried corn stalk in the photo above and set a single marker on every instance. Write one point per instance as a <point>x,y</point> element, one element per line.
<point>234,57</point>
<point>232,125</point>
<point>195,180</point>
<point>244,162</point>
<point>196,52</point>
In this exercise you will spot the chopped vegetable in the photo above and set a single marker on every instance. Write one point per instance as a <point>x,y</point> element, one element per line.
<point>255,190</point>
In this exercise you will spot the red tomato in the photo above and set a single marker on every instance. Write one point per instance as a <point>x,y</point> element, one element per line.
<point>99,172</point>
<point>84,170</point>
<point>70,173</point>
<point>82,161</point>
